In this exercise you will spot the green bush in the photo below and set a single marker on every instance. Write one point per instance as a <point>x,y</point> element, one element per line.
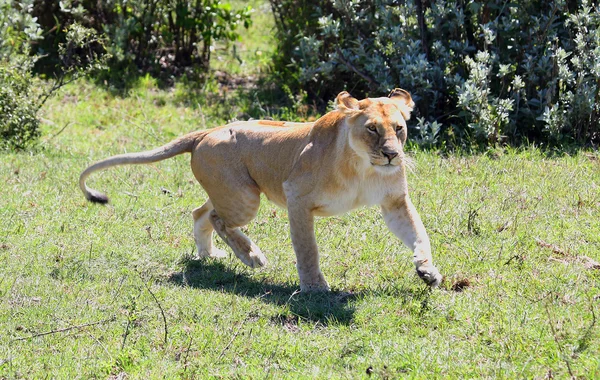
<point>19,125</point>
<point>480,71</point>
<point>156,36</point>
<point>17,27</point>
<point>22,95</point>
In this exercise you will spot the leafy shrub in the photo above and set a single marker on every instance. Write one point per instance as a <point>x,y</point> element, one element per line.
<point>17,27</point>
<point>147,35</point>
<point>21,95</point>
<point>485,71</point>
<point>19,125</point>
<point>18,108</point>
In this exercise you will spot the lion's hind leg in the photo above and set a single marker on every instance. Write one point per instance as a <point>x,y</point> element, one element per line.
<point>241,245</point>
<point>203,231</point>
<point>234,200</point>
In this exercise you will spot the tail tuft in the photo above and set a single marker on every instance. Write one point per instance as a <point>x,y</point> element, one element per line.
<point>181,145</point>
<point>96,197</point>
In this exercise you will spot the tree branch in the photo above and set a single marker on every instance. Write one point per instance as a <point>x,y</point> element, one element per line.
<point>349,65</point>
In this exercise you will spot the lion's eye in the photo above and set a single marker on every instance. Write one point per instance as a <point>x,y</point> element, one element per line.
<point>372,128</point>
<point>399,128</point>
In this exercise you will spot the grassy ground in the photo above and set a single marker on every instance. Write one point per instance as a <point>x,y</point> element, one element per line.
<point>118,293</point>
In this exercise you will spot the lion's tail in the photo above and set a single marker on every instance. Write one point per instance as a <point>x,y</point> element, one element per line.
<point>181,145</point>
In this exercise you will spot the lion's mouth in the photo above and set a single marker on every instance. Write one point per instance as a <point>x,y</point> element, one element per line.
<point>388,164</point>
<point>386,169</point>
<point>389,167</point>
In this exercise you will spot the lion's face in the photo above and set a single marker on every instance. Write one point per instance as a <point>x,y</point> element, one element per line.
<point>378,128</point>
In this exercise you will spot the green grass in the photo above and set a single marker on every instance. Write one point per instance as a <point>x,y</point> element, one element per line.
<point>527,311</point>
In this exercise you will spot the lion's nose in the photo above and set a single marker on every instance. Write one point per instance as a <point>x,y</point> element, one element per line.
<point>389,154</point>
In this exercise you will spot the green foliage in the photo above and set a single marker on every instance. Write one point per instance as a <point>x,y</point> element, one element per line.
<point>21,95</point>
<point>17,27</point>
<point>150,35</point>
<point>485,71</point>
<point>19,125</point>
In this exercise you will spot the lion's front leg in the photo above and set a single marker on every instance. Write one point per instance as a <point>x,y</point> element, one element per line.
<point>305,247</point>
<point>404,221</point>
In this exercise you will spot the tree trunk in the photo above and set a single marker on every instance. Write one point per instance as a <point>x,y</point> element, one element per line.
<point>422,26</point>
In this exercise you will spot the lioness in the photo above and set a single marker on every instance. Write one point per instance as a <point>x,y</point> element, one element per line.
<point>352,156</point>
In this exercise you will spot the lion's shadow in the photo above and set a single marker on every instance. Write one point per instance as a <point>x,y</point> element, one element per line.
<point>324,308</point>
<point>317,307</point>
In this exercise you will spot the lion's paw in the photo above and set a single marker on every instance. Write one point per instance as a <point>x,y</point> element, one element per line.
<point>214,253</point>
<point>317,284</point>
<point>257,261</point>
<point>217,253</point>
<point>430,274</point>
<point>255,258</point>
<point>305,288</point>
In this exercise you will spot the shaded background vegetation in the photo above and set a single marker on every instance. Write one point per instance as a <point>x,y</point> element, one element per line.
<point>482,72</point>
<point>146,36</point>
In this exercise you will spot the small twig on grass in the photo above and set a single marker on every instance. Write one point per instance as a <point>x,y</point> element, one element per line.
<point>292,296</point>
<point>162,312</point>
<point>126,333</point>
<point>100,344</point>
<point>67,329</point>
<point>272,356</point>
<point>519,258</point>
<point>237,332</point>
<point>560,348</point>
<point>556,249</point>
<point>59,132</point>
<point>583,342</point>
<point>587,262</point>
<point>565,262</point>
<point>130,194</point>
<point>187,352</point>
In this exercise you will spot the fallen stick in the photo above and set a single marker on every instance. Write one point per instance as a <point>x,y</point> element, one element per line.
<point>556,249</point>
<point>587,262</point>
<point>67,329</point>
<point>231,341</point>
<point>162,312</point>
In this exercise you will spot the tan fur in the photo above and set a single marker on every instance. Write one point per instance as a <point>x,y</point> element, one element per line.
<point>272,123</point>
<point>350,157</point>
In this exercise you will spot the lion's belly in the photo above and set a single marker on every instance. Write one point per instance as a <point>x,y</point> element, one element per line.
<point>366,195</point>
<point>276,197</point>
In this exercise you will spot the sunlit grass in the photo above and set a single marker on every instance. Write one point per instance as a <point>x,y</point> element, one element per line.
<point>526,309</point>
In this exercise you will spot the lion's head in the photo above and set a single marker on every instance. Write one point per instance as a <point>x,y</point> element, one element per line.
<point>378,127</point>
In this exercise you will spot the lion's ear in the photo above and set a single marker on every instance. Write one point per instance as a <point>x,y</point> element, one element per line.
<point>365,103</point>
<point>403,101</point>
<point>345,102</point>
